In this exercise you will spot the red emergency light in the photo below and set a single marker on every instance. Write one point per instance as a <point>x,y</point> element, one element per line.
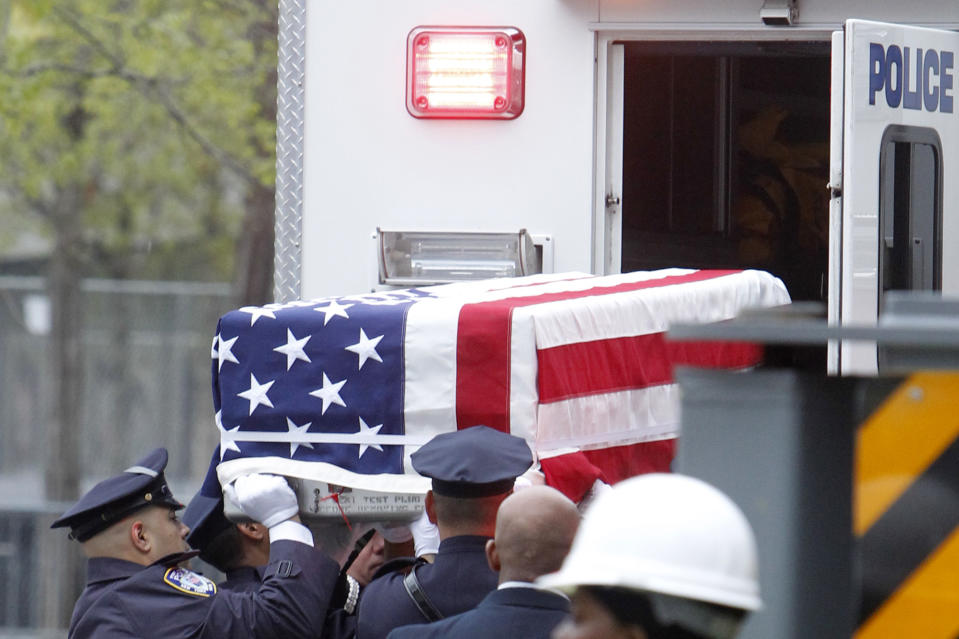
<point>465,72</point>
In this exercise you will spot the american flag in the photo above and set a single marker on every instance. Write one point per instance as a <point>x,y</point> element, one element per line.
<point>342,390</point>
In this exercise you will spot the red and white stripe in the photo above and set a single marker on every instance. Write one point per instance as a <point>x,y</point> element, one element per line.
<point>571,362</point>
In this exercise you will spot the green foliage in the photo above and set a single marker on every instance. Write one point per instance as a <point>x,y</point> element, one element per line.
<point>156,114</point>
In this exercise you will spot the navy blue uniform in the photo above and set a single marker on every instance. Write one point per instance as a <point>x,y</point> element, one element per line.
<point>242,579</point>
<point>124,599</point>
<point>339,625</point>
<point>455,582</point>
<point>510,613</point>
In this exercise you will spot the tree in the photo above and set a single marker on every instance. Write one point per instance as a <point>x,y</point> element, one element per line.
<point>138,137</point>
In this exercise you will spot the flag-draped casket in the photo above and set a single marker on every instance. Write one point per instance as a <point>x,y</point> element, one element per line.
<point>343,390</point>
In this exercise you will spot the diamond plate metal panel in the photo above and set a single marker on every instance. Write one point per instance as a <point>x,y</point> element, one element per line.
<point>291,72</point>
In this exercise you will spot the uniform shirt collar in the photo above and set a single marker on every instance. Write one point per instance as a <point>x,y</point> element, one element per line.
<point>100,569</point>
<point>245,573</point>
<point>526,584</point>
<point>175,559</point>
<point>516,584</point>
<point>463,542</point>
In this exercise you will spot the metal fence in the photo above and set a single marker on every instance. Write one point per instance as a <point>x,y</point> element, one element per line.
<point>17,548</point>
<point>146,359</point>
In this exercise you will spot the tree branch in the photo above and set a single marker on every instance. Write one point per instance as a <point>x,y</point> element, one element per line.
<point>74,23</point>
<point>38,69</point>
<point>209,147</point>
<point>150,87</point>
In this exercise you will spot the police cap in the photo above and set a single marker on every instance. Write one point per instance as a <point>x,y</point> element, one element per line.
<point>204,514</point>
<point>139,486</point>
<point>474,462</point>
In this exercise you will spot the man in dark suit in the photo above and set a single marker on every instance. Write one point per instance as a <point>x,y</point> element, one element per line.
<point>534,530</point>
<point>473,471</point>
<point>137,585</point>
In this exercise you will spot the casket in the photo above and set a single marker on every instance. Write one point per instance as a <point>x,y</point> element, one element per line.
<point>337,393</point>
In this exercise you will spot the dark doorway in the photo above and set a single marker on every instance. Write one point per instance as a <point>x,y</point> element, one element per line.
<point>726,159</point>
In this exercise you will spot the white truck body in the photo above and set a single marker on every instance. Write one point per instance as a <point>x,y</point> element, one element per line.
<point>562,169</point>
<point>888,108</point>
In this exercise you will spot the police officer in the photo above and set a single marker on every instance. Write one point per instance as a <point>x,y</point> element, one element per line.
<point>240,551</point>
<point>137,585</point>
<point>473,471</point>
<point>534,529</point>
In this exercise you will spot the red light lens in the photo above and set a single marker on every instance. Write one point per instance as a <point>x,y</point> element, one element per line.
<point>465,72</point>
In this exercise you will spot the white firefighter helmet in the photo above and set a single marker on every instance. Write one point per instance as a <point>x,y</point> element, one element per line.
<point>665,534</point>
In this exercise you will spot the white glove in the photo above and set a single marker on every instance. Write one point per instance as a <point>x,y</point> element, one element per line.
<point>267,499</point>
<point>426,536</point>
<point>599,487</point>
<point>532,477</point>
<point>394,532</point>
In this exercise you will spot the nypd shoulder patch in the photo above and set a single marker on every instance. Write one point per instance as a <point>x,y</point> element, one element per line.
<point>189,582</point>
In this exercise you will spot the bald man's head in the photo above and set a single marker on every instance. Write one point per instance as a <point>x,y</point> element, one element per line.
<point>534,531</point>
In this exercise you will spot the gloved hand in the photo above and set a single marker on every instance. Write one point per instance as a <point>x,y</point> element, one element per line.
<point>532,477</point>
<point>267,499</point>
<point>599,487</point>
<point>426,536</point>
<point>394,532</point>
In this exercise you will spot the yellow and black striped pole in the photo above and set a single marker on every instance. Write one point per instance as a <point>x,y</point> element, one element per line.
<point>906,516</point>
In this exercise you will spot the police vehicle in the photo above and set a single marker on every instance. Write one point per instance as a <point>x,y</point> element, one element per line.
<point>427,141</point>
<point>607,136</point>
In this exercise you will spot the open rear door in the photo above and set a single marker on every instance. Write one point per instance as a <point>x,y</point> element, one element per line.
<point>895,216</point>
